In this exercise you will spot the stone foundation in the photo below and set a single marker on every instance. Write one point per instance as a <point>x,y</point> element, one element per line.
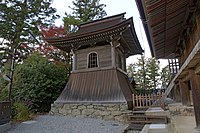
<point>116,112</point>
<point>181,110</point>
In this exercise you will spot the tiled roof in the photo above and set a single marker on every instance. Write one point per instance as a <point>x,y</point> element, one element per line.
<point>102,30</point>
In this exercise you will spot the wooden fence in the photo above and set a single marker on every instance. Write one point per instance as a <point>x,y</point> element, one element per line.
<point>5,112</point>
<point>149,100</point>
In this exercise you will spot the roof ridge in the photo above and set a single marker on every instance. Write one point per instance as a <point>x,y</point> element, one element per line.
<point>94,21</point>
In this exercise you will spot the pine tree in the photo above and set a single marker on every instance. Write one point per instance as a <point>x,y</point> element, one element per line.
<point>19,20</point>
<point>165,77</point>
<point>18,25</point>
<point>153,73</point>
<point>147,74</point>
<point>83,11</point>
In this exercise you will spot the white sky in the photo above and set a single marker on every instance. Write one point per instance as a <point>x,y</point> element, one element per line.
<point>113,7</point>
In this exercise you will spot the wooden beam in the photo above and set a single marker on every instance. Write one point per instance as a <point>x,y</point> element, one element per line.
<point>185,65</point>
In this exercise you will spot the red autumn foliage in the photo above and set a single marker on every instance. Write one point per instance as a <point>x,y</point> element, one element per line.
<point>48,50</point>
<point>53,31</point>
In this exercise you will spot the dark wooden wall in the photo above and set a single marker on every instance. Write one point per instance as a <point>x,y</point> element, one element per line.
<point>192,40</point>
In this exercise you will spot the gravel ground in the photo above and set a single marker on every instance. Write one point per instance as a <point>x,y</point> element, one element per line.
<point>61,124</point>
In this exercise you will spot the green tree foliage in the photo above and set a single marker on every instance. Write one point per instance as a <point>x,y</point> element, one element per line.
<point>19,20</point>
<point>131,69</point>
<point>148,74</point>
<point>138,71</point>
<point>38,82</point>
<point>3,89</point>
<point>83,11</point>
<point>20,112</point>
<point>152,73</point>
<point>165,77</point>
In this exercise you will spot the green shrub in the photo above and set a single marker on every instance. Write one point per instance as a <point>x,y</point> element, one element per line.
<point>3,94</point>
<point>38,82</point>
<point>3,87</point>
<point>20,111</point>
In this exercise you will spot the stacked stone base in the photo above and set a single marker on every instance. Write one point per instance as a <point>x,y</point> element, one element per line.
<point>116,112</point>
<point>177,109</point>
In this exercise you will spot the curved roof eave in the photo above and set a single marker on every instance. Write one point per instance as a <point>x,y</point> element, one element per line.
<point>144,22</point>
<point>125,26</point>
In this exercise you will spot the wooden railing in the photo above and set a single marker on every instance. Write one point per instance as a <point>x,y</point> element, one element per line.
<point>149,100</point>
<point>5,112</point>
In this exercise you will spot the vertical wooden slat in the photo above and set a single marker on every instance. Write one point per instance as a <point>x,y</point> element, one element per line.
<point>156,101</point>
<point>143,100</point>
<point>134,101</point>
<point>163,101</point>
<point>146,98</point>
<point>149,100</point>
<point>140,100</point>
<point>152,100</point>
<point>160,100</point>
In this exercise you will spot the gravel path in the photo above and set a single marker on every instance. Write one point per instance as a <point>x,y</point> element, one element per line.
<point>61,124</point>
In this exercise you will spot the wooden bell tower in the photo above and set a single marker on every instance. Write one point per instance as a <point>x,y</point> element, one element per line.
<point>100,49</point>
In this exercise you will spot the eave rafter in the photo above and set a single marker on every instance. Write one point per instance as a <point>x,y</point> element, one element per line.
<point>168,20</point>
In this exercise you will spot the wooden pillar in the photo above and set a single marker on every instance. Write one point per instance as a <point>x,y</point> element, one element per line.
<point>198,25</point>
<point>185,93</point>
<point>177,96</point>
<point>74,61</point>
<point>195,86</point>
<point>113,51</point>
<point>124,62</point>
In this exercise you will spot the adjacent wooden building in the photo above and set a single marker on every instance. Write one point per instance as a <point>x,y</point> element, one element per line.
<point>173,32</point>
<point>100,49</point>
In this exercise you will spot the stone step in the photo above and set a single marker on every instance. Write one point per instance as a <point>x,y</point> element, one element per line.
<point>135,127</point>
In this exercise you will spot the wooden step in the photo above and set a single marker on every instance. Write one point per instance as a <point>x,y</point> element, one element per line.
<point>147,119</point>
<point>147,122</point>
<point>138,112</point>
<point>140,121</point>
<point>148,116</point>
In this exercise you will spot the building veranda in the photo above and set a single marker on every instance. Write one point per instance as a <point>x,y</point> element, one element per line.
<point>173,32</point>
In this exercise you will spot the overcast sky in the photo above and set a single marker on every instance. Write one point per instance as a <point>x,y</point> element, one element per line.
<point>113,7</point>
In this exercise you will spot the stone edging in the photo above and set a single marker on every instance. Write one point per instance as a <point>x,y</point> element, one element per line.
<point>181,110</point>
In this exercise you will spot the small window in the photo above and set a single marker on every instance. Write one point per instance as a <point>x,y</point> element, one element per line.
<point>92,60</point>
